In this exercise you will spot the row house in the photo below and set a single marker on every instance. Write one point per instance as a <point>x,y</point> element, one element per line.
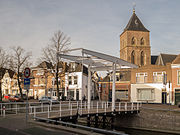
<point>122,92</point>
<point>9,83</point>
<point>76,82</point>
<point>175,66</point>
<point>44,82</point>
<point>156,83</point>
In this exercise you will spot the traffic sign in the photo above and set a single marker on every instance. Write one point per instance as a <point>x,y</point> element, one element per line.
<point>27,72</point>
<point>26,83</point>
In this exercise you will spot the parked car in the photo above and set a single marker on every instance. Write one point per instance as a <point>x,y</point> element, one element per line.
<point>15,98</point>
<point>6,96</point>
<point>49,100</point>
<point>24,96</point>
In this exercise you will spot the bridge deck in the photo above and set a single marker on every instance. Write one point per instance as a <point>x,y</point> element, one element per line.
<point>81,109</point>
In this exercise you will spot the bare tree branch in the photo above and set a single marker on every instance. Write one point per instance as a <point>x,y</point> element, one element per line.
<point>59,44</point>
<point>19,60</point>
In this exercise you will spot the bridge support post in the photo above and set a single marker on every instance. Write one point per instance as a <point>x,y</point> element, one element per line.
<point>96,121</point>
<point>114,86</point>
<point>89,121</point>
<point>104,121</point>
<point>89,86</point>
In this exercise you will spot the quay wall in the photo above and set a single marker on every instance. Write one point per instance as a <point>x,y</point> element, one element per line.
<point>162,120</point>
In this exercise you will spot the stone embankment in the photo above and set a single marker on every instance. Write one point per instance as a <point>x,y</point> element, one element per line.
<point>162,118</point>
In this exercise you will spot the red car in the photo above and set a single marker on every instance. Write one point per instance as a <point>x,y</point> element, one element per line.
<point>7,96</point>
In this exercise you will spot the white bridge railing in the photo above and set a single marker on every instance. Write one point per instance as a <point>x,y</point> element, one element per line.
<point>66,108</point>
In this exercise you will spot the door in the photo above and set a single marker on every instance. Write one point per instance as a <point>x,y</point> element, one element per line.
<point>77,94</point>
<point>177,96</point>
<point>164,97</point>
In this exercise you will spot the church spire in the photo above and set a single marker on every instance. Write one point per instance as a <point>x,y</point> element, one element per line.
<point>134,5</point>
<point>135,24</point>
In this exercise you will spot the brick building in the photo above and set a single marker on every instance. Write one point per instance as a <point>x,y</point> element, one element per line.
<point>176,80</point>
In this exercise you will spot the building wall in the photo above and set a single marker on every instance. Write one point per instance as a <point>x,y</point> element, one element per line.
<point>149,70</point>
<point>175,85</point>
<point>81,85</point>
<point>157,92</point>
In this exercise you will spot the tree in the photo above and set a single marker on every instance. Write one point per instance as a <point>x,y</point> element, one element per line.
<point>4,57</point>
<point>19,60</point>
<point>59,45</point>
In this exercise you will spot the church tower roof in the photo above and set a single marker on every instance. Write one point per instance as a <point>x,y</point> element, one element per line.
<point>135,24</point>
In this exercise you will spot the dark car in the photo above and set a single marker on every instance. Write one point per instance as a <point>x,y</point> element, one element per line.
<point>15,98</point>
<point>24,96</point>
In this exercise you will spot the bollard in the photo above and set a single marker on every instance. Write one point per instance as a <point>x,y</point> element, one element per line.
<point>119,106</point>
<point>105,107</point>
<point>60,109</point>
<point>41,107</point>
<point>132,106</point>
<point>71,110</point>
<point>102,104</point>
<point>34,111</point>
<point>48,111</point>
<point>4,111</point>
<point>107,104</point>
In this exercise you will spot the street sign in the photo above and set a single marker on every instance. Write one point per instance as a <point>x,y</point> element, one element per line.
<point>26,83</point>
<point>27,72</point>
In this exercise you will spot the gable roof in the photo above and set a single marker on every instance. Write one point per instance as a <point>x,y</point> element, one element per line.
<point>177,60</point>
<point>163,59</point>
<point>135,24</point>
<point>3,71</point>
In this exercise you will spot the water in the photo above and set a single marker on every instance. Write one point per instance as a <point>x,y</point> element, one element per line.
<point>130,131</point>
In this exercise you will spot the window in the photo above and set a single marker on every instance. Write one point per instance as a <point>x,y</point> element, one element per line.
<point>145,94</point>
<point>158,77</point>
<point>75,79</point>
<point>133,57</point>
<point>104,85</point>
<point>42,81</point>
<point>70,80</point>
<point>40,72</point>
<point>133,41</point>
<point>142,41</point>
<point>179,77</point>
<point>141,77</point>
<point>142,58</point>
<point>121,94</point>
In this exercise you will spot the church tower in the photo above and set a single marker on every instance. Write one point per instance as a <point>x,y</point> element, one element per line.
<point>135,43</point>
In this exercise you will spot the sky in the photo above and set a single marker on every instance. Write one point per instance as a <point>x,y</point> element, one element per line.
<point>91,24</point>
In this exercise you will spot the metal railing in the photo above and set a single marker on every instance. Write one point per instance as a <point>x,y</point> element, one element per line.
<point>109,132</point>
<point>66,108</point>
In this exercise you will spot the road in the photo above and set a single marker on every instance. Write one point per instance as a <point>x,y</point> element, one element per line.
<point>16,125</point>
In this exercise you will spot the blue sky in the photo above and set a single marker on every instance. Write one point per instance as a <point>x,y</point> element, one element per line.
<point>91,24</point>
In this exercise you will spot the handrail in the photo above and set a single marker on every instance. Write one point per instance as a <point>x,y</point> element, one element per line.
<point>81,126</point>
